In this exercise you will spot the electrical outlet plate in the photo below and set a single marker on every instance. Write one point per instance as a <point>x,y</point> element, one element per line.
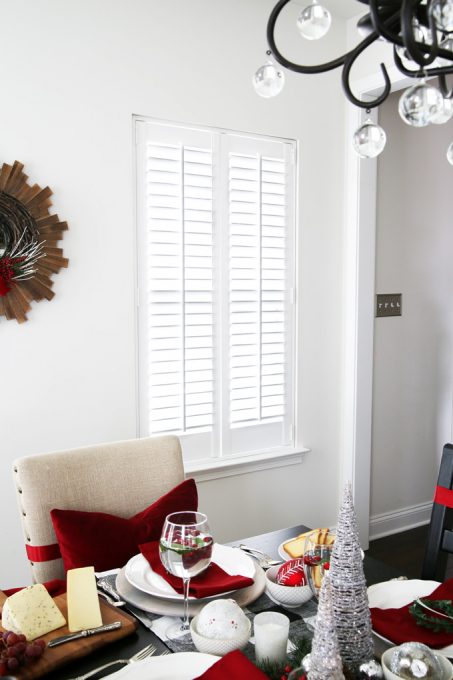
<point>388,305</point>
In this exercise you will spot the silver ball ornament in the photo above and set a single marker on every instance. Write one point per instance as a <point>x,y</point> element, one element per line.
<point>370,669</point>
<point>415,660</point>
<point>306,663</point>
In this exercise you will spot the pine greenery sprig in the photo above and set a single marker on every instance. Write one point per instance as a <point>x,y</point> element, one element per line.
<point>441,617</point>
<point>276,671</point>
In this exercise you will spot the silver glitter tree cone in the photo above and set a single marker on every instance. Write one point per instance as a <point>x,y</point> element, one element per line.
<point>349,591</point>
<point>325,659</point>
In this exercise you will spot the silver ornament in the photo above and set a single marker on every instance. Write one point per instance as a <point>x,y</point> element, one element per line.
<point>349,589</point>
<point>370,669</point>
<point>306,663</point>
<point>415,660</point>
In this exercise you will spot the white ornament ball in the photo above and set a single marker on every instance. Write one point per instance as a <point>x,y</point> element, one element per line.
<point>450,154</point>
<point>420,104</point>
<point>314,21</point>
<point>269,80</point>
<point>415,660</point>
<point>369,140</point>
<point>370,669</point>
<point>222,620</point>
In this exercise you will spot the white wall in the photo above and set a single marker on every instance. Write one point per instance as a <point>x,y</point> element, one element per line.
<point>413,368</point>
<point>413,354</point>
<point>74,73</point>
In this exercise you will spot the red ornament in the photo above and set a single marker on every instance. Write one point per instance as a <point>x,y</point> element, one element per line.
<point>291,573</point>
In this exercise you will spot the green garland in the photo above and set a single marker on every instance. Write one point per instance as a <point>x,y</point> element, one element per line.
<point>441,623</point>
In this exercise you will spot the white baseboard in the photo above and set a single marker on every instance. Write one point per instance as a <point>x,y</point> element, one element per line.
<point>399,520</point>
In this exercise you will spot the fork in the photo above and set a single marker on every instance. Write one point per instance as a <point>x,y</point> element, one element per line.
<point>265,561</point>
<point>110,600</point>
<point>142,654</point>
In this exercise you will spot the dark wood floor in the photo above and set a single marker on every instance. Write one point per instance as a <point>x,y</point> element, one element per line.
<point>404,551</point>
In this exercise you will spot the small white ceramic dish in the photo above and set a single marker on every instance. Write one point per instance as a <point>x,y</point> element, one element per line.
<point>215,646</point>
<point>289,596</point>
<point>447,668</point>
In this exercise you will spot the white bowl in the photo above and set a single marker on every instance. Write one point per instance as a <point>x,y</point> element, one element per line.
<point>289,596</point>
<point>219,647</point>
<point>447,668</point>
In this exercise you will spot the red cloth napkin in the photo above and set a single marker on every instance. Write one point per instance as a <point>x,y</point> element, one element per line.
<point>399,626</point>
<point>54,588</point>
<point>213,581</point>
<point>233,666</point>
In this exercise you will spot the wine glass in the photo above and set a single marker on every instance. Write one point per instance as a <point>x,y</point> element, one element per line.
<point>317,558</point>
<point>185,550</point>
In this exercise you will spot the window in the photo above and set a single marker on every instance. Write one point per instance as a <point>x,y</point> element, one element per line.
<point>215,215</point>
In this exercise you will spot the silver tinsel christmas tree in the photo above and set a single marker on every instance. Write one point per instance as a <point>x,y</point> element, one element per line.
<point>349,591</point>
<point>325,659</point>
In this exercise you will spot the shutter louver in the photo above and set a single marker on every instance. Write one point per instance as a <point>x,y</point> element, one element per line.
<point>257,280</point>
<point>179,296</point>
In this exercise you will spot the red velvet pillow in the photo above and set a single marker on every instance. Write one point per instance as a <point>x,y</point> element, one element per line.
<point>106,541</point>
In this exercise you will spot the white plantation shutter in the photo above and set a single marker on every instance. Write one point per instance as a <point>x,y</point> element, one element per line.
<point>261,281</point>
<point>216,275</point>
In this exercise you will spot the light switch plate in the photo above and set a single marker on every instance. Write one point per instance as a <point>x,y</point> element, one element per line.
<point>388,304</point>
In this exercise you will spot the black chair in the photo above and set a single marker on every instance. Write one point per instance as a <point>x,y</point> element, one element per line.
<point>440,537</point>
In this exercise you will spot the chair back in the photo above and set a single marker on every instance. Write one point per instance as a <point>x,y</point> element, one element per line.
<point>440,537</point>
<point>120,478</point>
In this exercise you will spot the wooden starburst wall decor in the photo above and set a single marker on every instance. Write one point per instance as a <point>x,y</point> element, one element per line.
<point>29,237</point>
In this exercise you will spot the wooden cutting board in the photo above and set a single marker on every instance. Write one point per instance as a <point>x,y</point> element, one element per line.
<point>55,657</point>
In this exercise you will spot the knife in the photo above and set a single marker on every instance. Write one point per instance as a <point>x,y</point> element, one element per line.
<point>84,633</point>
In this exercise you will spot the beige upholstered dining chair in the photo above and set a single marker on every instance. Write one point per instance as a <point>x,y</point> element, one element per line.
<point>120,478</point>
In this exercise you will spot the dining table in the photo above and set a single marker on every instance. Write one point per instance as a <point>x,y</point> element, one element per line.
<point>269,542</point>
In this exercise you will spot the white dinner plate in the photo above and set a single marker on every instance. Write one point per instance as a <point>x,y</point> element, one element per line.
<point>165,607</point>
<point>180,666</point>
<point>282,552</point>
<point>140,574</point>
<point>396,594</point>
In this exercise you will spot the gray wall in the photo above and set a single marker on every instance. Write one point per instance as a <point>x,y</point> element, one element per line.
<point>412,396</point>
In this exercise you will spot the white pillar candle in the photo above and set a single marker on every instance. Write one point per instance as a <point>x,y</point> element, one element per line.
<point>271,636</point>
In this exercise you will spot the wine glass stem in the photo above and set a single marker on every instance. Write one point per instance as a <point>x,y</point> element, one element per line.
<point>185,623</point>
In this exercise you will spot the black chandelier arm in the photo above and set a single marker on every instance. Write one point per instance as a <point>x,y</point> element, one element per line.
<point>349,61</point>
<point>422,54</point>
<point>290,65</point>
<point>419,73</point>
<point>447,92</point>
<point>383,27</point>
<point>371,104</point>
<point>403,69</point>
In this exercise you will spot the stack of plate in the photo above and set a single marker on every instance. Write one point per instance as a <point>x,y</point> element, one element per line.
<point>138,584</point>
<point>396,594</point>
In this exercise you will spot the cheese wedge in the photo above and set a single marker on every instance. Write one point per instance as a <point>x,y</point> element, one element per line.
<point>32,612</point>
<point>83,602</point>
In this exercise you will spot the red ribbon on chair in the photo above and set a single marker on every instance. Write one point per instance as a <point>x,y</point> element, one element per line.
<point>43,553</point>
<point>444,496</point>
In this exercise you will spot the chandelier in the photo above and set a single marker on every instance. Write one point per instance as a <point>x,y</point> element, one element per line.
<point>421,33</point>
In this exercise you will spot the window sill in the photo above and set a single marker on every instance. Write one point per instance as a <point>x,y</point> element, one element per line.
<point>216,468</point>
